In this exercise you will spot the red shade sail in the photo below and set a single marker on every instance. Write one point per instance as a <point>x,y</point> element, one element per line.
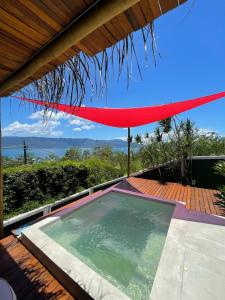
<point>129,117</point>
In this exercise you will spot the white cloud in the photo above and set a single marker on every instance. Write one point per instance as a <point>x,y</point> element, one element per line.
<point>46,123</point>
<point>43,115</point>
<point>206,131</point>
<point>77,121</point>
<point>36,129</point>
<point>85,127</point>
<point>88,127</point>
<point>123,138</point>
<point>82,124</point>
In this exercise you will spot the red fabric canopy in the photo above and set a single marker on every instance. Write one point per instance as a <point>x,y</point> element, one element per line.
<point>128,117</point>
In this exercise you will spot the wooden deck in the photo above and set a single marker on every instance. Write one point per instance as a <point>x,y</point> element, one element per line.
<point>196,199</point>
<point>31,280</point>
<point>28,277</point>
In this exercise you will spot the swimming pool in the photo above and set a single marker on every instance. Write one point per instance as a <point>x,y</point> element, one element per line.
<point>107,245</point>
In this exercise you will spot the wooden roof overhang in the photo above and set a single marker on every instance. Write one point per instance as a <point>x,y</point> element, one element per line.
<point>36,36</point>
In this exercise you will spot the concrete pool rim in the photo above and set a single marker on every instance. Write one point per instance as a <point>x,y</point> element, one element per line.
<point>77,277</point>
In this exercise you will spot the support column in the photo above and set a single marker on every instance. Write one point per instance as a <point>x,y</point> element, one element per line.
<point>128,152</point>
<point>1,179</point>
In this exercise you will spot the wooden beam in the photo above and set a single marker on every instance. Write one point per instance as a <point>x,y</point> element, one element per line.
<point>1,180</point>
<point>81,27</point>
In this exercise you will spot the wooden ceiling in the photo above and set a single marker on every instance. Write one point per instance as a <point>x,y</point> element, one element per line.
<point>28,25</point>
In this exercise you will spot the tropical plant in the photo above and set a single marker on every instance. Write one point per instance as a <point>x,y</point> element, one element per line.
<point>83,73</point>
<point>220,170</point>
<point>138,139</point>
<point>172,142</point>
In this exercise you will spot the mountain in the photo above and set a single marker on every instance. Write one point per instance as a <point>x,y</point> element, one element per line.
<point>42,142</point>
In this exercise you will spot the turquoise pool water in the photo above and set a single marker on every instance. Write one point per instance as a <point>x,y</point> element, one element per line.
<point>120,236</point>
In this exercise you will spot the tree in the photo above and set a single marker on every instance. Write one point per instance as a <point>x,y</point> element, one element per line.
<point>138,139</point>
<point>52,157</point>
<point>86,154</point>
<point>172,142</point>
<point>72,154</point>
<point>103,152</point>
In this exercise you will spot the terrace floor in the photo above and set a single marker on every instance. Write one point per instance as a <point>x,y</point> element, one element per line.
<point>196,199</point>
<point>28,277</point>
<point>31,280</point>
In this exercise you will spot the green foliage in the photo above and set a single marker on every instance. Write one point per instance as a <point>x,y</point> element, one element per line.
<point>26,184</point>
<point>18,161</point>
<point>171,142</point>
<point>101,171</point>
<point>222,195</point>
<point>104,152</point>
<point>86,154</point>
<point>52,157</point>
<point>220,168</point>
<point>209,145</point>
<point>42,181</point>
<point>138,139</point>
<point>73,154</point>
<point>27,206</point>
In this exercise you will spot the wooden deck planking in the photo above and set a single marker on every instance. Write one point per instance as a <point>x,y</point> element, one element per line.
<point>196,199</point>
<point>28,277</point>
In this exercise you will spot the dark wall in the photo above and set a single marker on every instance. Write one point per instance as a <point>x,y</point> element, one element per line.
<point>202,170</point>
<point>204,174</point>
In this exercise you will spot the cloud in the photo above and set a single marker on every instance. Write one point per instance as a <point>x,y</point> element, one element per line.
<point>82,124</point>
<point>36,129</point>
<point>43,115</point>
<point>85,127</point>
<point>123,138</point>
<point>88,127</point>
<point>46,123</point>
<point>77,121</point>
<point>206,131</point>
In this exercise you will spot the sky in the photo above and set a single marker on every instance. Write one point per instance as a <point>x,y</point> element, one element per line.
<point>191,43</point>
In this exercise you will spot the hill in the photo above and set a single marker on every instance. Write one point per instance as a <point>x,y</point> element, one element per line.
<point>42,142</point>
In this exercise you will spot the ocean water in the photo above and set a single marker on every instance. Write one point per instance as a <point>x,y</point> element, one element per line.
<point>119,236</point>
<point>42,153</point>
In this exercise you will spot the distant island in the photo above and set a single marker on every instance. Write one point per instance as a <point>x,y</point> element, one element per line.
<point>60,143</point>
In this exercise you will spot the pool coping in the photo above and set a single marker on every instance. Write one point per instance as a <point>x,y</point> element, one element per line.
<point>68,268</point>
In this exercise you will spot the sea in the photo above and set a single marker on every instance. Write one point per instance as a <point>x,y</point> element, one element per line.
<point>43,153</point>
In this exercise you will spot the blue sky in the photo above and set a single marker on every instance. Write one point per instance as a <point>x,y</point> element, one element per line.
<point>191,43</point>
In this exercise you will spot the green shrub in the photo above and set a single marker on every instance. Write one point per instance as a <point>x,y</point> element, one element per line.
<point>43,181</point>
<point>101,171</point>
<point>52,180</point>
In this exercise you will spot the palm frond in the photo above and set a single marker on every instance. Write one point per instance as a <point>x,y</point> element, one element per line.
<point>85,75</point>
